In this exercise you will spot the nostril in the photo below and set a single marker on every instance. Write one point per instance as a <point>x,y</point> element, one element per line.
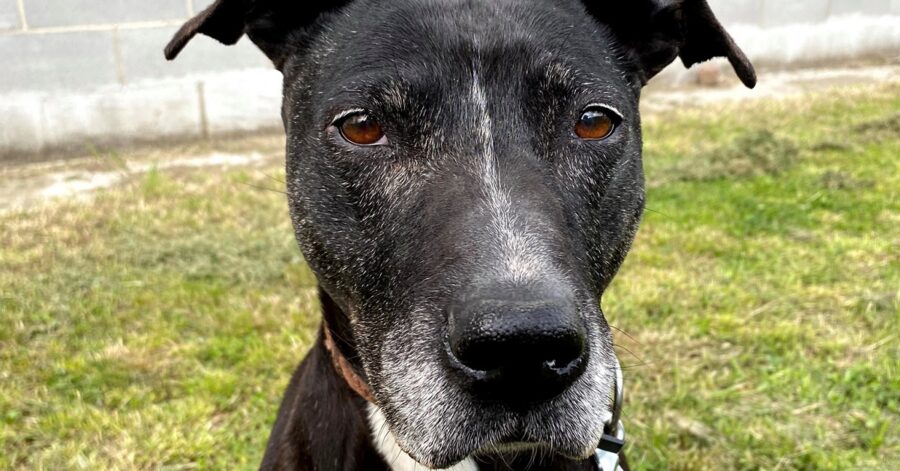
<point>561,354</point>
<point>492,355</point>
<point>478,353</point>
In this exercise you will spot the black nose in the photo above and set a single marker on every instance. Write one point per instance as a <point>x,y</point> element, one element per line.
<point>521,350</point>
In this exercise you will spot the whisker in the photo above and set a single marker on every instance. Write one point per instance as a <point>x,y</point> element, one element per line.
<point>258,187</point>
<point>625,334</point>
<point>628,350</point>
<point>273,177</point>
<point>655,211</point>
<point>383,434</point>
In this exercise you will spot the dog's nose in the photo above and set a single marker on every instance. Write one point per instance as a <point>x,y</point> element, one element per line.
<point>518,351</point>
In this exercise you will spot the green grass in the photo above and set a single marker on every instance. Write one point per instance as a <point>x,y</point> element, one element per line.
<point>156,325</point>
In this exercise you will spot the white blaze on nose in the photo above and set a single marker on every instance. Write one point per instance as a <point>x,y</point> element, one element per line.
<point>393,455</point>
<point>522,253</point>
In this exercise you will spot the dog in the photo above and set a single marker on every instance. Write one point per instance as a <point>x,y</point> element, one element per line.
<point>464,177</point>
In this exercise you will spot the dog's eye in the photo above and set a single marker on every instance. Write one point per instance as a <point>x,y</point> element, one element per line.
<point>596,123</point>
<point>362,130</point>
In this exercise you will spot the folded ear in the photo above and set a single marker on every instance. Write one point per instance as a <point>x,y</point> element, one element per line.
<point>658,31</point>
<point>268,23</point>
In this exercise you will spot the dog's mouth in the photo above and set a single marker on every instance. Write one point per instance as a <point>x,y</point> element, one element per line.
<point>517,455</point>
<point>511,450</point>
<point>520,443</point>
<point>566,431</point>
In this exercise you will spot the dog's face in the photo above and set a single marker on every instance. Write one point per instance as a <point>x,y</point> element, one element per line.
<point>465,180</point>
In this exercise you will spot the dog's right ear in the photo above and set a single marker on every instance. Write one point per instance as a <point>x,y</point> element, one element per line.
<point>268,23</point>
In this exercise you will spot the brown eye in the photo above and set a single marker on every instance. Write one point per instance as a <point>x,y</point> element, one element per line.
<point>595,124</point>
<point>362,130</point>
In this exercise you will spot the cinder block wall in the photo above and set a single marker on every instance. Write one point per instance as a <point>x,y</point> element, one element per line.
<point>808,31</point>
<point>77,73</point>
<point>773,13</point>
<point>83,73</point>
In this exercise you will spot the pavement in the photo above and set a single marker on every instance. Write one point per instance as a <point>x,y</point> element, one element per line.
<point>771,85</point>
<point>26,185</point>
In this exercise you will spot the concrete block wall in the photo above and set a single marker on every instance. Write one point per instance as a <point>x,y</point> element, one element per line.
<point>78,73</point>
<point>773,13</point>
<point>778,33</point>
<point>83,73</point>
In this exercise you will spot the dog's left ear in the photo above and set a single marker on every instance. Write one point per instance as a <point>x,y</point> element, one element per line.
<point>269,24</point>
<point>658,31</point>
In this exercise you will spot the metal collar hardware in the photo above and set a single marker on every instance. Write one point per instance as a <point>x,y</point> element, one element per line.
<point>607,455</point>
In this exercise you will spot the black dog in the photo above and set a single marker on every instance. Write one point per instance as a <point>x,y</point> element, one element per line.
<point>465,180</point>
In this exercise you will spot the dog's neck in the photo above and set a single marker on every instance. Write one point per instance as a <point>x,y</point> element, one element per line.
<point>323,424</point>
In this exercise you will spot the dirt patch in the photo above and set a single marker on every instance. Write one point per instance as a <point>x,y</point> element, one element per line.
<point>880,129</point>
<point>777,84</point>
<point>838,180</point>
<point>25,186</point>
<point>752,154</point>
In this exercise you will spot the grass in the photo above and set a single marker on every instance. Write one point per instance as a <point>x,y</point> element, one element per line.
<point>156,325</point>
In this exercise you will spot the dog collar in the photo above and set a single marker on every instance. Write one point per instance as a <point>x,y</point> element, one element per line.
<point>343,366</point>
<point>606,457</point>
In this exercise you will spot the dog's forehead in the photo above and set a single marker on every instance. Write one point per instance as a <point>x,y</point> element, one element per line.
<point>443,39</point>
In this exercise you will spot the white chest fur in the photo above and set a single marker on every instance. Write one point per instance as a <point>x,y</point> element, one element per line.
<point>396,458</point>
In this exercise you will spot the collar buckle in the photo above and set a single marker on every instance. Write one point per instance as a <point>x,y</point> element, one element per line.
<point>607,454</point>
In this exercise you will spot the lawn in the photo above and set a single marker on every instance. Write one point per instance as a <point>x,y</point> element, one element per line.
<point>156,324</point>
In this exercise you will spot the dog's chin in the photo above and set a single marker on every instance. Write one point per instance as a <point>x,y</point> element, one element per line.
<point>458,454</point>
<point>505,452</point>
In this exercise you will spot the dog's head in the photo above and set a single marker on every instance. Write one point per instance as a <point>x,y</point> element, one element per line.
<point>465,180</point>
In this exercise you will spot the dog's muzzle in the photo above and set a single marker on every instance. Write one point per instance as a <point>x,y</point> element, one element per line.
<point>606,458</point>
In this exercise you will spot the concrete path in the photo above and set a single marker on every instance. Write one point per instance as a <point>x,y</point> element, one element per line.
<point>27,185</point>
<point>780,84</point>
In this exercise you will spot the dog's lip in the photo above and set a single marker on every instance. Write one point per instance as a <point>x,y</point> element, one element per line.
<point>514,447</point>
<point>511,447</point>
